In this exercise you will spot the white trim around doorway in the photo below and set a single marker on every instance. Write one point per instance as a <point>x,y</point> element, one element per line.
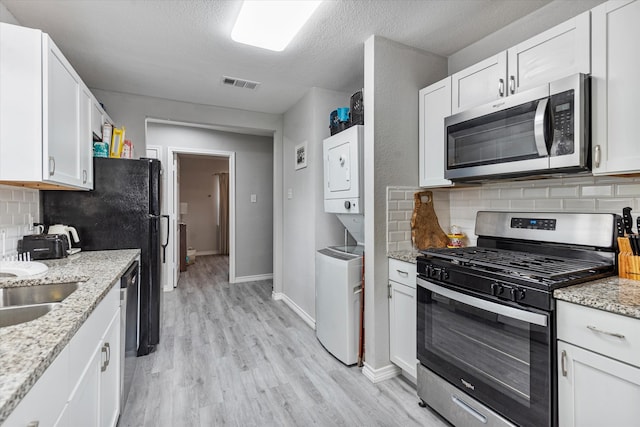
<point>172,184</point>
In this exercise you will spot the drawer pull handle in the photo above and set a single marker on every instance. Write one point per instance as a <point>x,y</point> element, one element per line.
<point>600,331</point>
<point>563,361</point>
<point>33,424</point>
<point>403,273</point>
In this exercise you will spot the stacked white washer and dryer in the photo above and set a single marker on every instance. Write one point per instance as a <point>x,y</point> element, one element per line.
<point>339,268</point>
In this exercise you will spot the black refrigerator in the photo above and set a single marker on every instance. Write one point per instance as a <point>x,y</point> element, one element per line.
<point>121,212</point>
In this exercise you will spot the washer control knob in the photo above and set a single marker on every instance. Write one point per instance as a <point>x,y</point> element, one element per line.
<point>347,205</point>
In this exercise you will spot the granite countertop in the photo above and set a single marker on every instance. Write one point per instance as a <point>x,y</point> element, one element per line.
<point>27,349</point>
<point>612,294</point>
<point>406,256</point>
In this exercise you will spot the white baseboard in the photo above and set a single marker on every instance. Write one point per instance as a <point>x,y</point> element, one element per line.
<point>296,308</point>
<point>199,253</point>
<point>255,278</point>
<point>380,374</point>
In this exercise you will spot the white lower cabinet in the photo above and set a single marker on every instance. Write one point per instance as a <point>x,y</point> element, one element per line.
<point>402,316</point>
<point>598,368</point>
<point>82,386</point>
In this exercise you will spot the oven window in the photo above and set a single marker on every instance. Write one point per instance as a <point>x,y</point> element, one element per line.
<point>492,347</point>
<point>502,361</point>
<point>504,136</point>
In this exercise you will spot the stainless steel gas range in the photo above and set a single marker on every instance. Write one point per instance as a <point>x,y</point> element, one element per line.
<point>486,324</point>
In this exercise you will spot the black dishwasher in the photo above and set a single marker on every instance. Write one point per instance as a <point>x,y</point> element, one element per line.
<point>129,335</point>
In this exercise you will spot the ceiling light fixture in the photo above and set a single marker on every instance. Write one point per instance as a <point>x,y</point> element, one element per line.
<point>271,24</point>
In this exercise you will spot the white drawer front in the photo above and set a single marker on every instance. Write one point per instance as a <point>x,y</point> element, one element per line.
<point>402,272</point>
<point>610,334</point>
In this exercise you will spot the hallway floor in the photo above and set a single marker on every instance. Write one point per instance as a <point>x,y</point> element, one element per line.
<point>231,355</point>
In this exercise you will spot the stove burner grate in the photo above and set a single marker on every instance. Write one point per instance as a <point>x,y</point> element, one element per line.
<point>526,264</point>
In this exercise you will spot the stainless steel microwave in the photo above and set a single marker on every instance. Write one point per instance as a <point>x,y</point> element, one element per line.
<point>541,130</point>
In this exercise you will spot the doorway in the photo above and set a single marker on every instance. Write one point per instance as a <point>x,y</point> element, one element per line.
<point>177,211</point>
<point>202,195</point>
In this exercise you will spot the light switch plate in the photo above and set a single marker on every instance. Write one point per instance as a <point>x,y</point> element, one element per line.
<point>254,198</point>
<point>290,193</point>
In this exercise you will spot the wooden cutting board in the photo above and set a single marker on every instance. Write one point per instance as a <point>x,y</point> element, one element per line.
<point>425,229</point>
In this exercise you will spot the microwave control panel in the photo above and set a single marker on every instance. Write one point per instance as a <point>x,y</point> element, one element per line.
<point>563,112</point>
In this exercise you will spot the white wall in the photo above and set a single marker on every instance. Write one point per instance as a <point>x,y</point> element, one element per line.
<point>199,189</point>
<point>393,75</point>
<point>254,175</point>
<point>307,227</point>
<point>132,111</point>
<point>530,25</point>
<point>6,16</point>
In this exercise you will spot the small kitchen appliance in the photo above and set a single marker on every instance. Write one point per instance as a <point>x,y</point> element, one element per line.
<point>44,246</point>
<point>70,232</point>
<point>486,326</point>
<point>539,131</point>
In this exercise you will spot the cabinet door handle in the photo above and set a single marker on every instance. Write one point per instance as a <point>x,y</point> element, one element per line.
<point>596,156</point>
<point>501,87</point>
<point>600,331</point>
<point>52,165</point>
<point>106,357</point>
<point>512,85</point>
<point>84,176</point>
<point>108,353</point>
<point>390,293</point>
<point>563,363</point>
<point>403,273</point>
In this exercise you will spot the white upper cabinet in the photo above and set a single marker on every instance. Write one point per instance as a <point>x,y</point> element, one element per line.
<point>44,139</point>
<point>480,83</point>
<point>558,52</point>
<point>616,88</point>
<point>434,106</point>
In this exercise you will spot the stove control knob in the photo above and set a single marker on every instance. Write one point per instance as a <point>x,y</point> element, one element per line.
<point>521,294</point>
<point>445,274</point>
<point>497,289</point>
<point>513,293</point>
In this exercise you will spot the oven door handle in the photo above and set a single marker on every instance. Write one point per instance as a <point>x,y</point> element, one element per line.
<point>501,309</point>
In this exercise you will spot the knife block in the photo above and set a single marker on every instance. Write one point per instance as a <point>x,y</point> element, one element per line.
<point>628,264</point>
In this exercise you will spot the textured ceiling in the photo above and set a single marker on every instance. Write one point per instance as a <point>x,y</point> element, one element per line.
<point>181,49</point>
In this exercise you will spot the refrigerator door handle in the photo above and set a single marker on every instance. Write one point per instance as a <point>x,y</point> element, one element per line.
<point>165,244</point>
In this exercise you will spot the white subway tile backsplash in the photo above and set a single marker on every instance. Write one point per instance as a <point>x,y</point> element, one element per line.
<point>392,205</point>
<point>548,205</point>
<point>404,246</point>
<point>580,205</point>
<point>631,189</point>
<point>511,193</point>
<point>522,205</point>
<point>564,192</point>
<point>13,207</point>
<point>404,205</point>
<point>596,190</point>
<point>579,194</point>
<point>535,193</point>
<point>613,205</point>
<point>396,195</point>
<point>397,215</point>
<point>404,226</point>
<point>396,236</point>
<point>499,205</point>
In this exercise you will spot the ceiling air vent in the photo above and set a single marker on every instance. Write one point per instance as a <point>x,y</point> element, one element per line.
<point>232,81</point>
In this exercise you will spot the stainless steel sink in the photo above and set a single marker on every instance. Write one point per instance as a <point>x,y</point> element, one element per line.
<point>38,294</point>
<point>24,313</point>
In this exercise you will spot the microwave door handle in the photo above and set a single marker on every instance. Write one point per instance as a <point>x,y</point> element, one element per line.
<point>539,126</point>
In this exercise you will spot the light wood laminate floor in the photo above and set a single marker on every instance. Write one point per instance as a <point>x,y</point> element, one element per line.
<point>231,355</point>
